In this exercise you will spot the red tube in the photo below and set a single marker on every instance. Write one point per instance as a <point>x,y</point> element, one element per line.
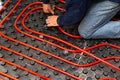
<point>9,76</point>
<point>62,1</point>
<point>1,79</point>
<point>23,68</point>
<point>107,79</point>
<point>68,34</point>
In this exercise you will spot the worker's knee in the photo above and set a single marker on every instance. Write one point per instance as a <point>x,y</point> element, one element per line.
<point>83,33</point>
<point>86,36</point>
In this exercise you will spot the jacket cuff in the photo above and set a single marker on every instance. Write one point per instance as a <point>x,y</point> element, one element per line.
<point>59,21</point>
<point>46,1</point>
<point>117,1</point>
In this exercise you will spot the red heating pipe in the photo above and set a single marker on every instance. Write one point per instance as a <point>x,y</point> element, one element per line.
<point>68,34</point>
<point>25,69</point>
<point>59,8</point>
<point>6,3</point>
<point>115,46</point>
<point>107,79</point>
<point>1,79</point>
<point>9,76</point>
<point>116,19</point>
<point>62,1</point>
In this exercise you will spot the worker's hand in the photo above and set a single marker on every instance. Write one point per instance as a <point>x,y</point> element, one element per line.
<point>47,8</point>
<point>52,21</point>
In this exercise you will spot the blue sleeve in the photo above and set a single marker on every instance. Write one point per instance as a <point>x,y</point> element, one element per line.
<point>118,1</point>
<point>73,14</point>
<point>46,1</point>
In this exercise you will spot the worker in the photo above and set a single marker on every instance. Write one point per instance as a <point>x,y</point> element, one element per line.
<point>75,11</point>
<point>96,23</point>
